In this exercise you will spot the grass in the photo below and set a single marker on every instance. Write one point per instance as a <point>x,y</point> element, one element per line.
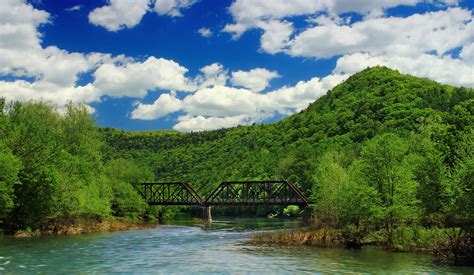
<point>325,237</point>
<point>84,226</point>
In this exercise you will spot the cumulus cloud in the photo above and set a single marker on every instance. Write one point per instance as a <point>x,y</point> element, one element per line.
<point>256,79</point>
<point>199,123</point>
<point>172,7</point>
<point>164,105</point>
<point>134,79</point>
<point>205,32</point>
<point>419,44</point>
<point>436,32</point>
<point>248,14</point>
<point>220,101</point>
<point>288,100</point>
<point>211,75</point>
<point>18,23</point>
<point>120,14</point>
<point>275,35</point>
<point>53,73</point>
<point>444,69</point>
<point>21,90</point>
<point>467,54</point>
<point>221,106</point>
<point>326,34</point>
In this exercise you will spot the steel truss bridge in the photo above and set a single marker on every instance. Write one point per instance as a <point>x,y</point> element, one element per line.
<point>227,193</point>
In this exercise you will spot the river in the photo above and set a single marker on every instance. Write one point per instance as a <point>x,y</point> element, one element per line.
<point>185,248</point>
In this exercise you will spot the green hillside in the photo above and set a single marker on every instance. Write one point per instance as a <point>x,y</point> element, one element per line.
<point>373,102</point>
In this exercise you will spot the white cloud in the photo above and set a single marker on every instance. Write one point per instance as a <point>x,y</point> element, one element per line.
<point>326,34</point>
<point>120,14</point>
<point>248,13</point>
<point>134,79</point>
<point>21,90</point>
<point>436,32</point>
<point>53,73</point>
<point>275,35</point>
<point>288,100</point>
<point>199,123</point>
<point>211,75</point>
<point>467,54</point>
<point>220,101</point>
<point>256,79</point>
<point>221,106</point>
<point>445,69</point>
<point>164,105</point>
<point>18,23</point>
<point>205,32</point>
<point>172,7</point>
<point>74,8</point>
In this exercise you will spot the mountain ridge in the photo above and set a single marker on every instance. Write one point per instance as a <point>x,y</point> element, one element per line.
<point>371,102</point>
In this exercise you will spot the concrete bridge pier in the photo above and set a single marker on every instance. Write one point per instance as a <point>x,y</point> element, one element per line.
<point>307,214</point>
<point>206,214</point>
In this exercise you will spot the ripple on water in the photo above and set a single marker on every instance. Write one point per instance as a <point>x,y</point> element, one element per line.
<point>197,249</point>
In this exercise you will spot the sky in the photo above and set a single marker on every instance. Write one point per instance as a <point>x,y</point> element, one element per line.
<point>193,65</point>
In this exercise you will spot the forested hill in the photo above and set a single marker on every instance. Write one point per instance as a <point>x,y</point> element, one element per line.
<point>374,105</point>
<point>381,150</point>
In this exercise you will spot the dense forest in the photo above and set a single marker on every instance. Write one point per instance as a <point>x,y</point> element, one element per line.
<point>380,152</point>
<point>53,170</point>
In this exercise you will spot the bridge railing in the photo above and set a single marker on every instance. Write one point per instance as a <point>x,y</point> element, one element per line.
<point>268,192</point>
<point>257,193</point>
<point>170,193</point>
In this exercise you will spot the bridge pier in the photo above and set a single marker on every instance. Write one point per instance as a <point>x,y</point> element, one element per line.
<point>206,214</point>
<point>307,214</point>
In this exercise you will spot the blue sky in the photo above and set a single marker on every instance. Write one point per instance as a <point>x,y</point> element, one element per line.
<point>199,65</point>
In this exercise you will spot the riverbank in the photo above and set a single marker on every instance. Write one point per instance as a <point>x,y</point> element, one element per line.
<point>85,226</point>
<point>449,245</point>
<point>402,239</point>
<point>325,237</point>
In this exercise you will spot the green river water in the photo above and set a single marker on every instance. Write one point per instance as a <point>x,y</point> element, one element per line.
<point>187,248</point>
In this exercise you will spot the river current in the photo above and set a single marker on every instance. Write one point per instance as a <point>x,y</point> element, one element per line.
<point>187,248</point>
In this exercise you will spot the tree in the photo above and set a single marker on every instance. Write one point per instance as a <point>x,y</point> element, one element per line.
<point>385,166</point>
<point>9,165</point>
<point>124,177</point>
<point>83,191</point>
<point>35,139</point>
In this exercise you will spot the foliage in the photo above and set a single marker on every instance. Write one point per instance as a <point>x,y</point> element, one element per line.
<point>53,172</point>
<point>379,152</point>
<point>292,210</point>
<point>124,176</point>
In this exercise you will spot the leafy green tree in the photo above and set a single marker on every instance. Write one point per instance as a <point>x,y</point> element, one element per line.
<point>342,199</point>
<point>330,179</point>
<point>35,139</point>
<point>9,165</point>
<point>83,190</point>
<point>385,166</point>
<point>125,177</point>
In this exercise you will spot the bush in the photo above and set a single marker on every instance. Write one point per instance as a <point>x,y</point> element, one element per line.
<point>292,210</point>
